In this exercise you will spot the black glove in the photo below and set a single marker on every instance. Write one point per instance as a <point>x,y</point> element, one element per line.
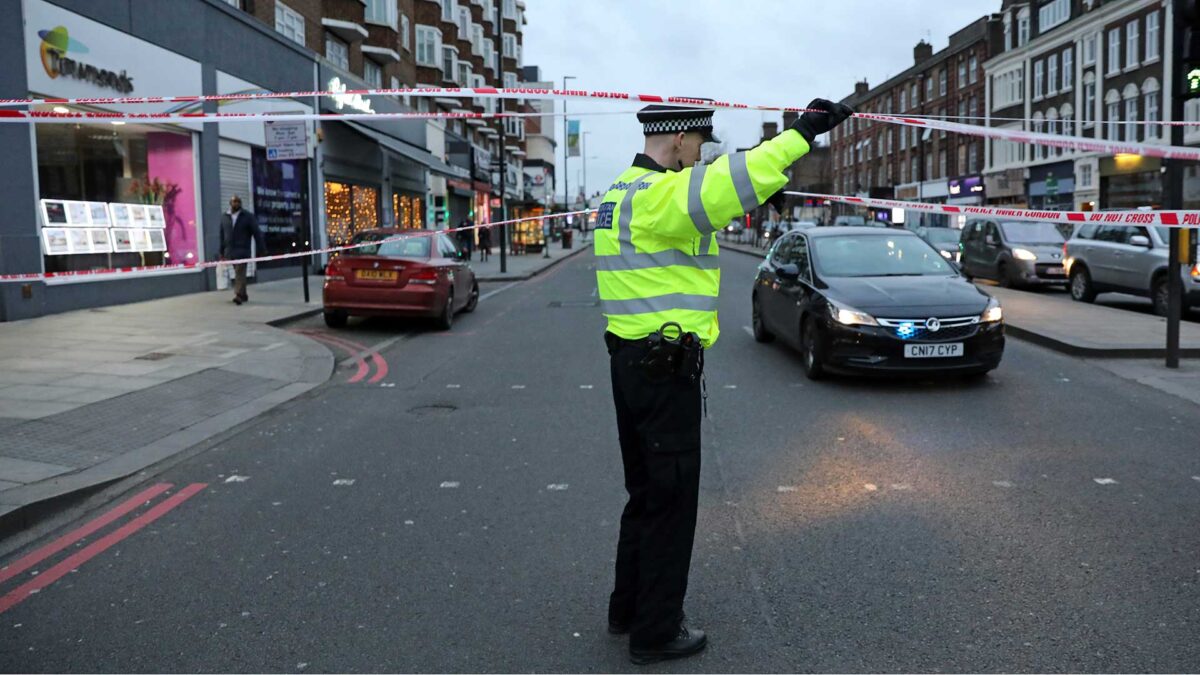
<point>812,124</point>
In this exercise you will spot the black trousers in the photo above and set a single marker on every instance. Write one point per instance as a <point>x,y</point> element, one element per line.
<point>659,427</point>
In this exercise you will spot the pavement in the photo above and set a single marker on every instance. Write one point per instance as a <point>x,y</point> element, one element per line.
<point>92,396</point>
<point>460,515</point>
<point>527,265</point>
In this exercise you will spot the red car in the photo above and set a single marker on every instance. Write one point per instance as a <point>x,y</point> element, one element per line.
<point>418,275</point>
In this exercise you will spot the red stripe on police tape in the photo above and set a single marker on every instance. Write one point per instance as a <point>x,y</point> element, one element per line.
<point>1156,218</point>
<point>121,271</point>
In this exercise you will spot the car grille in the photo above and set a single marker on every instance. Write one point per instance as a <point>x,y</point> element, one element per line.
<point>953,328</point>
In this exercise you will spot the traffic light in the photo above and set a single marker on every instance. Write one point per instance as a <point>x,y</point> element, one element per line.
<point>1189,18</point>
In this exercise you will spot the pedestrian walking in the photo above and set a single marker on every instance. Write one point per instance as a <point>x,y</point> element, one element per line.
<point>485,243</point>
<point>658,278</point>
<point>238,229</point>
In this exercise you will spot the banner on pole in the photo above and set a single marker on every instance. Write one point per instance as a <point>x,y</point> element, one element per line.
<point>573,138</point>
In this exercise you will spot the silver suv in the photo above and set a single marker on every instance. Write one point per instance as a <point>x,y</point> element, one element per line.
<point>1014,253</point>
<point>1124,259</point>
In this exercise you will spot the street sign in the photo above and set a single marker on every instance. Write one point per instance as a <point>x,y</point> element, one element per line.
<point>1051,185</point>
<point>286,140</point>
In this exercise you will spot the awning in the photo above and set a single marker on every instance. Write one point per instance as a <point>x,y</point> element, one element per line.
<point>411,152</point>
<point>346,30</point>
<point>382,55</point>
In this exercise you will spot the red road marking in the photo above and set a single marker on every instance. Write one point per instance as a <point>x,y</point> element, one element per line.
<point>97,547</point>
<point>354,349</point>
<point>359,361</point>
<point>66,540</point>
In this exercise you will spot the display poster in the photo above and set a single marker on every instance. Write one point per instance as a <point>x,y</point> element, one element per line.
<point>281,203</point>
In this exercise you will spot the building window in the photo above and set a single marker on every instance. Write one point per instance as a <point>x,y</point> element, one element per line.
<point>477,44</point>
<point>903,100</point>
<point>1052,74</point>
<point>1039,68</point>
<point>236,4</point>
<point>941,164</point>
<point>349,209</point>
<point>464,23</point>
<point>336,52</point>
<point>1151,37</point>
<point>405,29</point>
<point>1131,44</point>
<point>1114,51</point>
<point>429,46</point>
<point>1053,14</point>
<point>1085,175</point>
<point>962,73</point>
<point>510,46</point>
<point>1131,114</point>
<point>973,158</point>
<point>383,12</point>
<point>1068,68</point>
<point>1113,115</point>
<point>1023,27</point>
<point>1089,99</point>
<point>1008,43</point>
<point>510,9</point>
<point>449,10</point>
<point>1089,49</point>
<point>912,167</point>
<point>928,166</point>
<point>1152,114</point>
<point>450,64</point>
<point>914,96</point>
<point>928,89</point>
<point>973,69</point>
<point>373,73</point>
<point>890,138</point>
<point>942,82</point>
<point>289,23</point>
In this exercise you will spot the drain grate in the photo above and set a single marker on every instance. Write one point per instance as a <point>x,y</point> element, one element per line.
<point>436,409</point>
<point>558,304</point>
<point>152,356</point>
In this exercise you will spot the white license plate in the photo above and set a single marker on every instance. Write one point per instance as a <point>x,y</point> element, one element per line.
<point>1055,271</point>
<point>945,351</point>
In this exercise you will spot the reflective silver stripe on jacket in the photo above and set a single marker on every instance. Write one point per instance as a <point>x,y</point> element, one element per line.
<point>741,181</point>
<point>623,239</point>
<point>695,203</point>
<point>643,261</point>
<point>660,303</point>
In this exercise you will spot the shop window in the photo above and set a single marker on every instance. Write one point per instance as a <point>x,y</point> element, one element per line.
<point>116,195</point>
<point>409,211</point>
<point>280,204</point>
<point>349,209</point>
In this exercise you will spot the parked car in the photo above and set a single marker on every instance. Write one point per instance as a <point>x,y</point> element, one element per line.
<point>418,275</point>
<point>1124,259</point>
<point>860,299</point>
<point>1014,253</point>
<point>947,240</point>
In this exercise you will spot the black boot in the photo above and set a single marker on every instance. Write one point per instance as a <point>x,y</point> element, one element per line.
<point>689,641</point>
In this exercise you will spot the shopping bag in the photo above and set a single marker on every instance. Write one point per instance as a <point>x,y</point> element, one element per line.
<point>223,276</point>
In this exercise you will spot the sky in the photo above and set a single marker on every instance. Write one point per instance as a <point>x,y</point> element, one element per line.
<point>770,52</point>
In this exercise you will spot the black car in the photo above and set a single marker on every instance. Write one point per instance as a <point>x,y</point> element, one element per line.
<point>859,299</point>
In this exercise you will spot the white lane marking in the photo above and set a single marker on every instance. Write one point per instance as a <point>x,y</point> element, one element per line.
<point>586,386</point>
<point>408,522</point>
<point>449,484</point>
<point>870,487</point>
<point>1195,477</point>
<point>454,386</point>
<point>518,386</point>
<point>344,481</point>
<point>731,386</point>
<point>387,385</point>
<point>276,503</point>
<point>576,634</point>
<point>237,479</point>
<point>1064,379</point>
<point>1105,481</point>
<point>1002,483</point>
<point>749,331</point>
<point>786,488</point>
<point>901,486</point>
<point>489,294</point>
<point>556,486</point>
<point>595,291</point>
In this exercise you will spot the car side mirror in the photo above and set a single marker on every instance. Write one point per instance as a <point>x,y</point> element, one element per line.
<point>1139,240</point>
<point>788,271</point>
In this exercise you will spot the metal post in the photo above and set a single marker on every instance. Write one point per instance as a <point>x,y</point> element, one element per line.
<point>304,276</point>
<point>1173,194</point>
<point>566,152</point>
<point>503,234</point>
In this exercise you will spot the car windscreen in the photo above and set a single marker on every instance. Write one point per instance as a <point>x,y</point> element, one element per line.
<point>877,255</point>
<point>943,235</point>
<point>390,245</point>
<point>1032,233</point>
<point>851,220</point>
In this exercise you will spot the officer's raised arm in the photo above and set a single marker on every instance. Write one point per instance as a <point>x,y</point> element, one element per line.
<point>703,199</point>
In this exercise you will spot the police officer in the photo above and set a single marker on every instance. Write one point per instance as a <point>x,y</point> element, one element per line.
<point>658,280</point>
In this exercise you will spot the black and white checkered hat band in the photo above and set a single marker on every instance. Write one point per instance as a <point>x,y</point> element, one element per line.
<point>673,126</point>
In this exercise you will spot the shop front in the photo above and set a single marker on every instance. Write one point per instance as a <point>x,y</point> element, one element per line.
<point>1131,182</point>
<point>1052,186</point>
<point>1005,188</point>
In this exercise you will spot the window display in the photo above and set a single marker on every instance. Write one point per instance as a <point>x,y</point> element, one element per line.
<point>349,209</point>
<point>55,241</point>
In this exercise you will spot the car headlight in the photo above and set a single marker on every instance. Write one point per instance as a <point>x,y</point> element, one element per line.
<point>946,255</point>
<point>1024,254</point>
<point>993,312</point>
<point>848,316</point>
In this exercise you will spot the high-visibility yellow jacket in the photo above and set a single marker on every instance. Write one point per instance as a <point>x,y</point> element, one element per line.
<point>655,241</point>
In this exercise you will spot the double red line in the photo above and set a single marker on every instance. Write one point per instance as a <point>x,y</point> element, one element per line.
<point>75,560</point>
<point>356,351</point>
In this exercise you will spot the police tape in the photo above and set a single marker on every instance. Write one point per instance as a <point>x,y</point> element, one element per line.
<point>75,117</point>
<point>1079,143</point>
<point>1157,218</point>
<point>115,272</point>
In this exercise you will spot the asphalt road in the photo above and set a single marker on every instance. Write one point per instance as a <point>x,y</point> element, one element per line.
<point>458,513</point>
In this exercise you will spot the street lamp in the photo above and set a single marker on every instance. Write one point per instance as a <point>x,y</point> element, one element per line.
<point>585,159</point>
<point>566,178</point>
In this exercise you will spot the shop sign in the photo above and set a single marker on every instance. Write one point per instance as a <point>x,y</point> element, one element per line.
<point>343,100</point>
<point>906,192</point>
<point>286,140</point>
<point>57,43</point>
<point>966,186</point>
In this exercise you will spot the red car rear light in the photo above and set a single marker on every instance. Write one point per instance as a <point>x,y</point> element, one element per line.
<point>332,273</point>
<point>426,275</point>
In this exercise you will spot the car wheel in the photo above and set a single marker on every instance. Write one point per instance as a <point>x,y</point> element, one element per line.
<point>1160,295</point>
<point>1081,286</point>
<point>761,334</point>
<point>336,318</point>
<point>445,320</point>
<point>811,350</point>
<point>473,301</point>
<point>1002,276</point>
